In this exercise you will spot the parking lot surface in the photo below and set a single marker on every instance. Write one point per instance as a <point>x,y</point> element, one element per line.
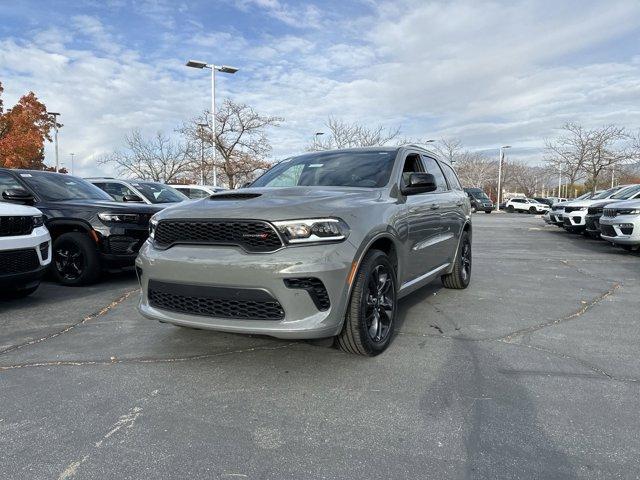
<point>532,372</point>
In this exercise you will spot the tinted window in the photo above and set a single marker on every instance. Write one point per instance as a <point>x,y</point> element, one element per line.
<point>432,167</point>
<point>197,193</point>
<point>626,193</point>
<point>452,178</point>
<point>368,169</point>
<point>116,190</point>
<point>158,192</point>
<point>56,186</point>
<point>7,182</point>
<point>605,194</point>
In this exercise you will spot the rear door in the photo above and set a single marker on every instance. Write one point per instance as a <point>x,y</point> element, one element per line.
<point>455,214</point>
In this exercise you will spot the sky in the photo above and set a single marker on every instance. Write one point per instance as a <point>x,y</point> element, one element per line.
<point>488,73</point>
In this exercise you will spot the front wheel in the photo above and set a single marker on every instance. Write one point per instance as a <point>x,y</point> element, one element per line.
<point>487,211</point>
<point>510,209</point>
<point>371,314</point>
<point>532,210</point>
<point>460,276</point>
<point>473,209</point>
<point>75,259</point>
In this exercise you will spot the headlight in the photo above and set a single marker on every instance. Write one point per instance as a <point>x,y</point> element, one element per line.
<point>313,230</point>
<point>581,209</point>
<point>629,211</point>
<point>38,221</point>
<point>118,217</point>
<point>153,223</point>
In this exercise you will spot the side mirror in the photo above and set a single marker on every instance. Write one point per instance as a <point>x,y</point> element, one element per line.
<point>18,195</point>
<point>131,198</point>
<point>420,183</point>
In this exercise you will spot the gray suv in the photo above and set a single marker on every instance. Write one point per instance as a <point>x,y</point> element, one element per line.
<point>321,245</point>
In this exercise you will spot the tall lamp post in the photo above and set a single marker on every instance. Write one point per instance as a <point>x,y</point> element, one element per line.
<point>504,147</point>
<point>213,68</point>
<point>202,126</point>
<point>55,128</point>
<point>315,139</point>
<point>72,155</point>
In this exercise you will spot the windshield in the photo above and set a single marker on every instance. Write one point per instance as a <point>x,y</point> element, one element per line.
<point>479,195</point>
<point>604,194</point>
<point>368,169</point>
<point>626,193</point>
<point>159,193</point>
<point>56,186</point>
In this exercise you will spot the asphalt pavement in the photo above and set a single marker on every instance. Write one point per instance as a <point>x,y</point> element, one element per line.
<point>533,372</point>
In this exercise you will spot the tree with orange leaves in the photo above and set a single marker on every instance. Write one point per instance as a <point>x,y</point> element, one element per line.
<point>23,131</point>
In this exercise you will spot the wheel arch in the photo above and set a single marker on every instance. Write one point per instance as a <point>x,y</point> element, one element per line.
<point>58,227</point>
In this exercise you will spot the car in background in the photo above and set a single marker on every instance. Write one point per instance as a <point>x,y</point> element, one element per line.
<point>620,224</point>
<point>91,232</point>
<point>151,193</point>
<point>479,200</point>
<point>197,191</point>
<point>575,212</point>
<point>555,200</point>
<point>545,200</point>
<point>556,214</point>
<point>25,247</point>
<point>594,212</point>
<point>527,205</point>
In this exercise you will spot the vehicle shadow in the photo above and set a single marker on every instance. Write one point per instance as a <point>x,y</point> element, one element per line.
<point>500,431</point>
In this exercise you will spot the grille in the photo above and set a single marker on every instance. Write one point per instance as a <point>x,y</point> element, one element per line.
<point>594,210</point>
<point>252,235</point>
<point>609,212</point>
<point>608,231</point>
<point>571,209</point>
<point>210,301</point>
<point>558,209</point>
<point>10,226</point>
<point>314,287</point>
<point>18,261</point>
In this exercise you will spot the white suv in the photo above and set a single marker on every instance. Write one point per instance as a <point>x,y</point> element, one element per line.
<point>574,215</point>
<point>526,205</point>
<point>620,224</point>
<point>25,249</point>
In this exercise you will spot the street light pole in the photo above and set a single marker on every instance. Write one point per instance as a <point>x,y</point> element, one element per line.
<point>500,175</point>
<point>223,69</point>
<point>201,126</point>
<point>72,156</point>
<point>55,128</point>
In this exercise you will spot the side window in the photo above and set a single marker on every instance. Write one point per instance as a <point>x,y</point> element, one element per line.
<point>197,193</point>
<point>289,178</point>
<point>452,178</point>
<point>412,164</point>
<point>7,182</point>
<point>116,190</point>
<point>432,167</point>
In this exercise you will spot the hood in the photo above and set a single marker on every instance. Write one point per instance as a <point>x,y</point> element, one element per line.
<point>583,203</point>
<point>93,204</point>
<point>275,203</point>
<point>11,209</point>
<point>625,204</point>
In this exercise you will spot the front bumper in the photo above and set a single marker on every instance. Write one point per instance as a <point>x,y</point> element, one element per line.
<point>119,246</point>
<point>592,223</point>
<point>219,266</point>
<point>575,219</point>
<point>556,217</point>
<point>611,225</point>
<point>40,241</point>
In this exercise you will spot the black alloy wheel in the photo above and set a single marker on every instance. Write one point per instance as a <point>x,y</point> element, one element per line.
<point>379,304</point>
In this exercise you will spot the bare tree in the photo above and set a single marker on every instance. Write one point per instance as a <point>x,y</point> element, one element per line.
<point>158,158</point>
<point>476,170</point>
<point>450,149</point>
<point>568,153</point>
<point>351,135</point>
<point>241,142</point>
<point>605,152</point>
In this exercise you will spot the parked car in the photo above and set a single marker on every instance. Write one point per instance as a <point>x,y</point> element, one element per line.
<point>25,247</point>
<point>197,191</point>
<point>556,214</point>
<point>575,212</point>
<point>620,224</point>
<point>555,200</point>
<point>151,193</point>
<point>323,244</point>
<point>90,231</point>
<point>479,200</point>
<point>594,212</point>
<point>527,205</point>
<point>545,200</point>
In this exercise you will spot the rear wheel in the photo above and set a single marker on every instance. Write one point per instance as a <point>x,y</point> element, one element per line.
<point>510,209</point>
<point>487,211</point>
<point>75,260</point>
<point>371,315</point>
<point>460,276</point>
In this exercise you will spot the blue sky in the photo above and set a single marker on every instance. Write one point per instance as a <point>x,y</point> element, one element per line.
<point>489,73</point>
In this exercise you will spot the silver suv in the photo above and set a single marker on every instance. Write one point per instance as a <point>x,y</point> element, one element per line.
<point>321,245</point>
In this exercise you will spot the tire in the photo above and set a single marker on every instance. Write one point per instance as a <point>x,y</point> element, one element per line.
<point>474,209</point>
<point>460,276</point>
<point>487,211</point>
<point>75,260</point>
<point>370,338</point>
<point>629,248</point>
<point>532,210</point>
<point>510,209</point>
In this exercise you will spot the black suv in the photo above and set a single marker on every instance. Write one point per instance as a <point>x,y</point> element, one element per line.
<point>90,231</point>
<point>479,200</point>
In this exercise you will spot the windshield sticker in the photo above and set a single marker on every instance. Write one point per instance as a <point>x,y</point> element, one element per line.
<point>25,175</point>
<point>316,165</point>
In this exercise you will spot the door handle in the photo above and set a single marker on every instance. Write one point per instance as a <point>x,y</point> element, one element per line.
<point>435,206</point>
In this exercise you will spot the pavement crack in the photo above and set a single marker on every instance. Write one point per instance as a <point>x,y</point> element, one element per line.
<point>140,360</point>
<point>578,313</point>
<point>91,316</point>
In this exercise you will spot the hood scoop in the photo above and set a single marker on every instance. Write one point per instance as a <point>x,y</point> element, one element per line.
<point>234,196</point>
